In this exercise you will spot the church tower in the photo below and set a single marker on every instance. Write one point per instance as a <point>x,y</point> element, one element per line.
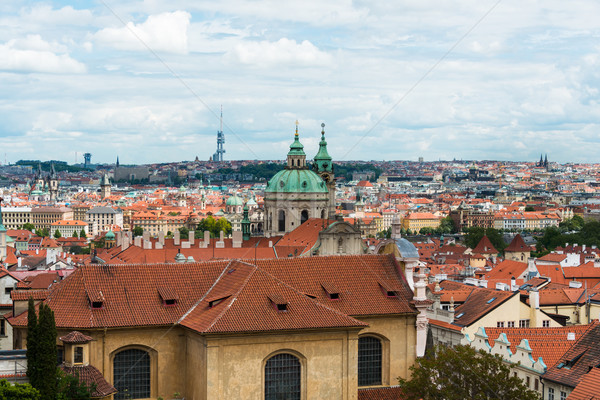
<point>53,183</point>
<point>104,187</point>
<point>2,236</point>
<point>323,166</point>
<point>294,194</point>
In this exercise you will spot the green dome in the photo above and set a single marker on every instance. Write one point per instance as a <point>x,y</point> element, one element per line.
<point>296,181</point>
<point>109,235</point>
<point>234,201</point>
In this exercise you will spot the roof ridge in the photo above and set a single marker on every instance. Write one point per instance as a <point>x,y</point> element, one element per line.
<point>188,312</point>
<point>234,297</point>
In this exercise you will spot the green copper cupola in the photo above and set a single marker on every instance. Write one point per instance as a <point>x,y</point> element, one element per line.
<point>322,161</point>
<point>296,158</point>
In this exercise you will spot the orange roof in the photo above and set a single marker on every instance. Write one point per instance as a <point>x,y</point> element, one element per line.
<point>548,343</point>
<point>587,389</point>
<point>485,246</point>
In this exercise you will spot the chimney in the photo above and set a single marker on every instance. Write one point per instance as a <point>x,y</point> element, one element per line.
<point>119,238</point>
<point>125,241</point>
<point>270,243</point>
<point>137,241</point>
<point>191,237</point>
<point>177,237</point>
<point>146,235</point>
<point>161,238</point>
<point>534,299</point>
<point>19,261</point>
<point>237,239</point>
<point>206,238</point>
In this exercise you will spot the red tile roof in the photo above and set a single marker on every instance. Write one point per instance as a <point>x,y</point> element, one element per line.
<point>388,393</point>
<point>548,343</point>
<point>75,337</point>
<point>485,246</point>
<point>131,294</point>
<point>90,375</point>
<point>587,389</point>
<point>573,366</point>
<point>517,244</point>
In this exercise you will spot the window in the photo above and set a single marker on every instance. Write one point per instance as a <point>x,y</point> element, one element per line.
<point>536,384</point>
<point>546,323</point>
<point>282,377</point>
<point>563,395</point>
<point>523,323</point>
<point>303,216</point>
<point>2,326</point>
<point>550,393</point>
<point>369,361</point>
<point>78,355</point>
<point>500,324</point>
<point>527,382</point>
<point>131,374</point>
<point>510,324</point>
<point>281,221</point>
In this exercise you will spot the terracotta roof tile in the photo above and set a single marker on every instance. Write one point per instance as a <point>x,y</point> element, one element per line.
<point>388,393</point>
<point>90,375</point>
<point>587,389</point>
<point>75,337</point>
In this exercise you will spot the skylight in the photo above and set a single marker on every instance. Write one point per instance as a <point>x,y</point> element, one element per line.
<point>490,300</point>
<point>459,315</point>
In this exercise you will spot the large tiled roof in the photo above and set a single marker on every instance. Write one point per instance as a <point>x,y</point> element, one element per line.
<point>548,343</point>
<point>517,244</point>
<point>480,302</point>
<point>132,295</point>
<point>90,375</point>
<point>573,366</point>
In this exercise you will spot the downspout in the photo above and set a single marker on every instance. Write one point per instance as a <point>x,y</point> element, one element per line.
<point>104,352</point>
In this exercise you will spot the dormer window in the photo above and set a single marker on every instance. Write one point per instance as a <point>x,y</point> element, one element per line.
<point>279,302</point>
<point>96,305</point>
<point>213,301</point>
<point>332,291</point>
<point>168,296</point>
<point>388,290</point>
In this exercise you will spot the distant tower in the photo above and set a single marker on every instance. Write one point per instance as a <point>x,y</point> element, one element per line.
<point>546,162</point>
<point>2,236</point>
<point>104,187</point>
<point>53,183</point>
<point>218,156</point>
<point>87,160</point>
<point>117,164</point>
<point>323,166</point>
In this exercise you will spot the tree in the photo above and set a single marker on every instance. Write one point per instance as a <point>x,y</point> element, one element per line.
<point>138,231</point>
<point>18,391</point>
<point>474,235</point>
<point>213,226</point>
<point>28,226</point>
<point>32,344</point>
<point>446,226</point>
<point>169,234</point>
<point>529,208</point>
<point>70,387</point>
<point>184,232</point>
<point>46,353</point>
<point>82,234</point>
<point>57,234</point>
<point>463,373</point>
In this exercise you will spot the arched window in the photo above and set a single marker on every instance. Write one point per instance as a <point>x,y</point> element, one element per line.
<point>131,374</point>
<point>303,216</point>
<point>281,221</point>
<point>369,361</point>
<point>322,214</point>
<point>282,377</point>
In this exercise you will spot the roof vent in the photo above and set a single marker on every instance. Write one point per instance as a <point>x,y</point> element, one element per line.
<point>571,336</point>
<point>575,284</point>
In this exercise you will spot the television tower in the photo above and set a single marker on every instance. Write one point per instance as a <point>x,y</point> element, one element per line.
<point>218,156</point>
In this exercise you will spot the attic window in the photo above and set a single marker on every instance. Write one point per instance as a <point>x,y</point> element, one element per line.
<point>170,302</point>
<point>332,291</point>
<point>213,302</point>
<point>459,315</point>
<point>490,300</point>
<point>168,295</point>
<point>96,305</point>
<point>279,302</point>
<point>388,290</point>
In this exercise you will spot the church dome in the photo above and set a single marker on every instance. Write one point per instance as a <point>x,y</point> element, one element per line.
<point>234,201</point>
<point>110,235</point>
<point>296,181</point>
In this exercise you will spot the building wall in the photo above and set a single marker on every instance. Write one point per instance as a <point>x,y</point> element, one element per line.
<point>15,217</point>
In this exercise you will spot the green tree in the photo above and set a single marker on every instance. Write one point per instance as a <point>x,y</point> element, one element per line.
<point>57,234</point>
<point>82,234</point>
<point>223,225</point>
<point>184,232</point>
<point>46,353</point>
<point>70,387</point>
<point>32,344</point>
<point>18,391</point>
<point>169,234</point>
<point>28,226</point>
<point>463,373</point>
<point>75,250</point>
<point>214,226</point>
<point>75,234</point>
<point>446,226</point>
<point>529,208</point>
<point>138,231</point>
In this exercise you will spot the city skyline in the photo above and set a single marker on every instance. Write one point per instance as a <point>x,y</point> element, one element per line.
<point>144,80</point>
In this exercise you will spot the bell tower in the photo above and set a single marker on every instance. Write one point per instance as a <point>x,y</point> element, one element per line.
<point>323,166</point>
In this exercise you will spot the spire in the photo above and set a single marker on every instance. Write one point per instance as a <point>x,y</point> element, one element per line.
<point>246,224</point>
<point>117,161</point>
<point>323,159</point>
<point>296,148</point>
<point>2,228</point>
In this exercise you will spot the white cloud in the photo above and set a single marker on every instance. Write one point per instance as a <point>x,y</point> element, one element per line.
<point>283,52</point>
<point>166,32</point>
<point>33,54</point>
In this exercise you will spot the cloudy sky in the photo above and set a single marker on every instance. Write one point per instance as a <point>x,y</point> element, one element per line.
<point>145,79</point>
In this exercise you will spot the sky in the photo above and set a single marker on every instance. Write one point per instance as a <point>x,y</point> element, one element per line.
<point>144,80</point>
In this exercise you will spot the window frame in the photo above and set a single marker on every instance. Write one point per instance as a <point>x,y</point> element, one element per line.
<point>303,373</point>
<point>153,366</point>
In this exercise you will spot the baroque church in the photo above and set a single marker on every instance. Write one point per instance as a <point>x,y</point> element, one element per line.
<point>296,193</point>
